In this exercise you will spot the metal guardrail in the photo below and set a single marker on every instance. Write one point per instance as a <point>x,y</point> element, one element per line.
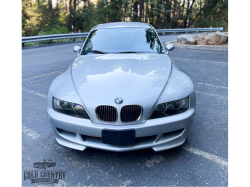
<point>53,37</point>
<point>186,30</point>
<point>85,34</point>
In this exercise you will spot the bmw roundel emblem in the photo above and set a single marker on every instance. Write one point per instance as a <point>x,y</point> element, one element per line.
<point>118,100</point>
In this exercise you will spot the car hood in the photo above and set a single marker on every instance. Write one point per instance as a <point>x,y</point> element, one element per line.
<point>136,78</point>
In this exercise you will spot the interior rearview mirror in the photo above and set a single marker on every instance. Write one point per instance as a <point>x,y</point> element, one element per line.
<point>77,49</point>
<point>169,48</point>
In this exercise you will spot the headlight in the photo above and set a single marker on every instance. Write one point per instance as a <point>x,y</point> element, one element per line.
<point>68,108</point>
<point>170,108</point>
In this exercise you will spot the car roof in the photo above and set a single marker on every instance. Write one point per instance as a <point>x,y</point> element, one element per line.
<point>121,24</point>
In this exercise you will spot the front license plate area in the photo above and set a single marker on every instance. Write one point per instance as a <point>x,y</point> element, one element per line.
<point>121,137</point>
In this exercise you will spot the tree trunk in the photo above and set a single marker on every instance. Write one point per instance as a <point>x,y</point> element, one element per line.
<point>146,17</point>
<point>141,8</point>
<point>186,17</point>
<point>173,21</point>
<point>167,18</point>
<point>135,12</point>
<point>158,16</point>
<point>74,4</point>
<point>200,9</point>
<point>143,11</point>
<point>191,22</point>
<point>190,13</point>
<point>183,7</point>
<point>50,4</point>
<point>70,14</point>
<point>151,15</point>
<point>182,12</point>
<point>124,10</point>
<point>66,6</point>
<point>57,9</point>
<point>178,12</point>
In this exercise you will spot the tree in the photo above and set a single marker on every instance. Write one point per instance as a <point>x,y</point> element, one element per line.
<point>135,12</point>
<point>41,15</point>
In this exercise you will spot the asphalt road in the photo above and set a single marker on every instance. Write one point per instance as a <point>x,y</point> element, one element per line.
<point>201,161</point>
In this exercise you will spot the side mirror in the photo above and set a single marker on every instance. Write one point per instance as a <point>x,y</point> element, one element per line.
<point>169,47</point>
<point>77,49</point>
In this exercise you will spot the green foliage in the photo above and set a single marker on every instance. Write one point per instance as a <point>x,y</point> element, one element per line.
<point>30,24</point>
<point>215,14</point>
<point>56,30</point>
<point>40,18</point>
<point>84,19</point>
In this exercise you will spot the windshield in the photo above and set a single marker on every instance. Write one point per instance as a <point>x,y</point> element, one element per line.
<point>122,40</point>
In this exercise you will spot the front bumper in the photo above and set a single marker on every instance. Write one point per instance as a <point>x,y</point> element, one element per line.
<point>158,134</point>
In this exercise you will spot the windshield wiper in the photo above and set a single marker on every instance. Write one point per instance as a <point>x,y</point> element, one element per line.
<point>95,51</point>
<point>129,52</point>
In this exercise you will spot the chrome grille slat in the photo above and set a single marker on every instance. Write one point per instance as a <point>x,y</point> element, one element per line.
<point>131,113</point>
<point>106,113</point>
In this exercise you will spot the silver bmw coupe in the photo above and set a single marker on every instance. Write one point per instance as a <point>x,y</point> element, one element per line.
<point>122,93</point>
